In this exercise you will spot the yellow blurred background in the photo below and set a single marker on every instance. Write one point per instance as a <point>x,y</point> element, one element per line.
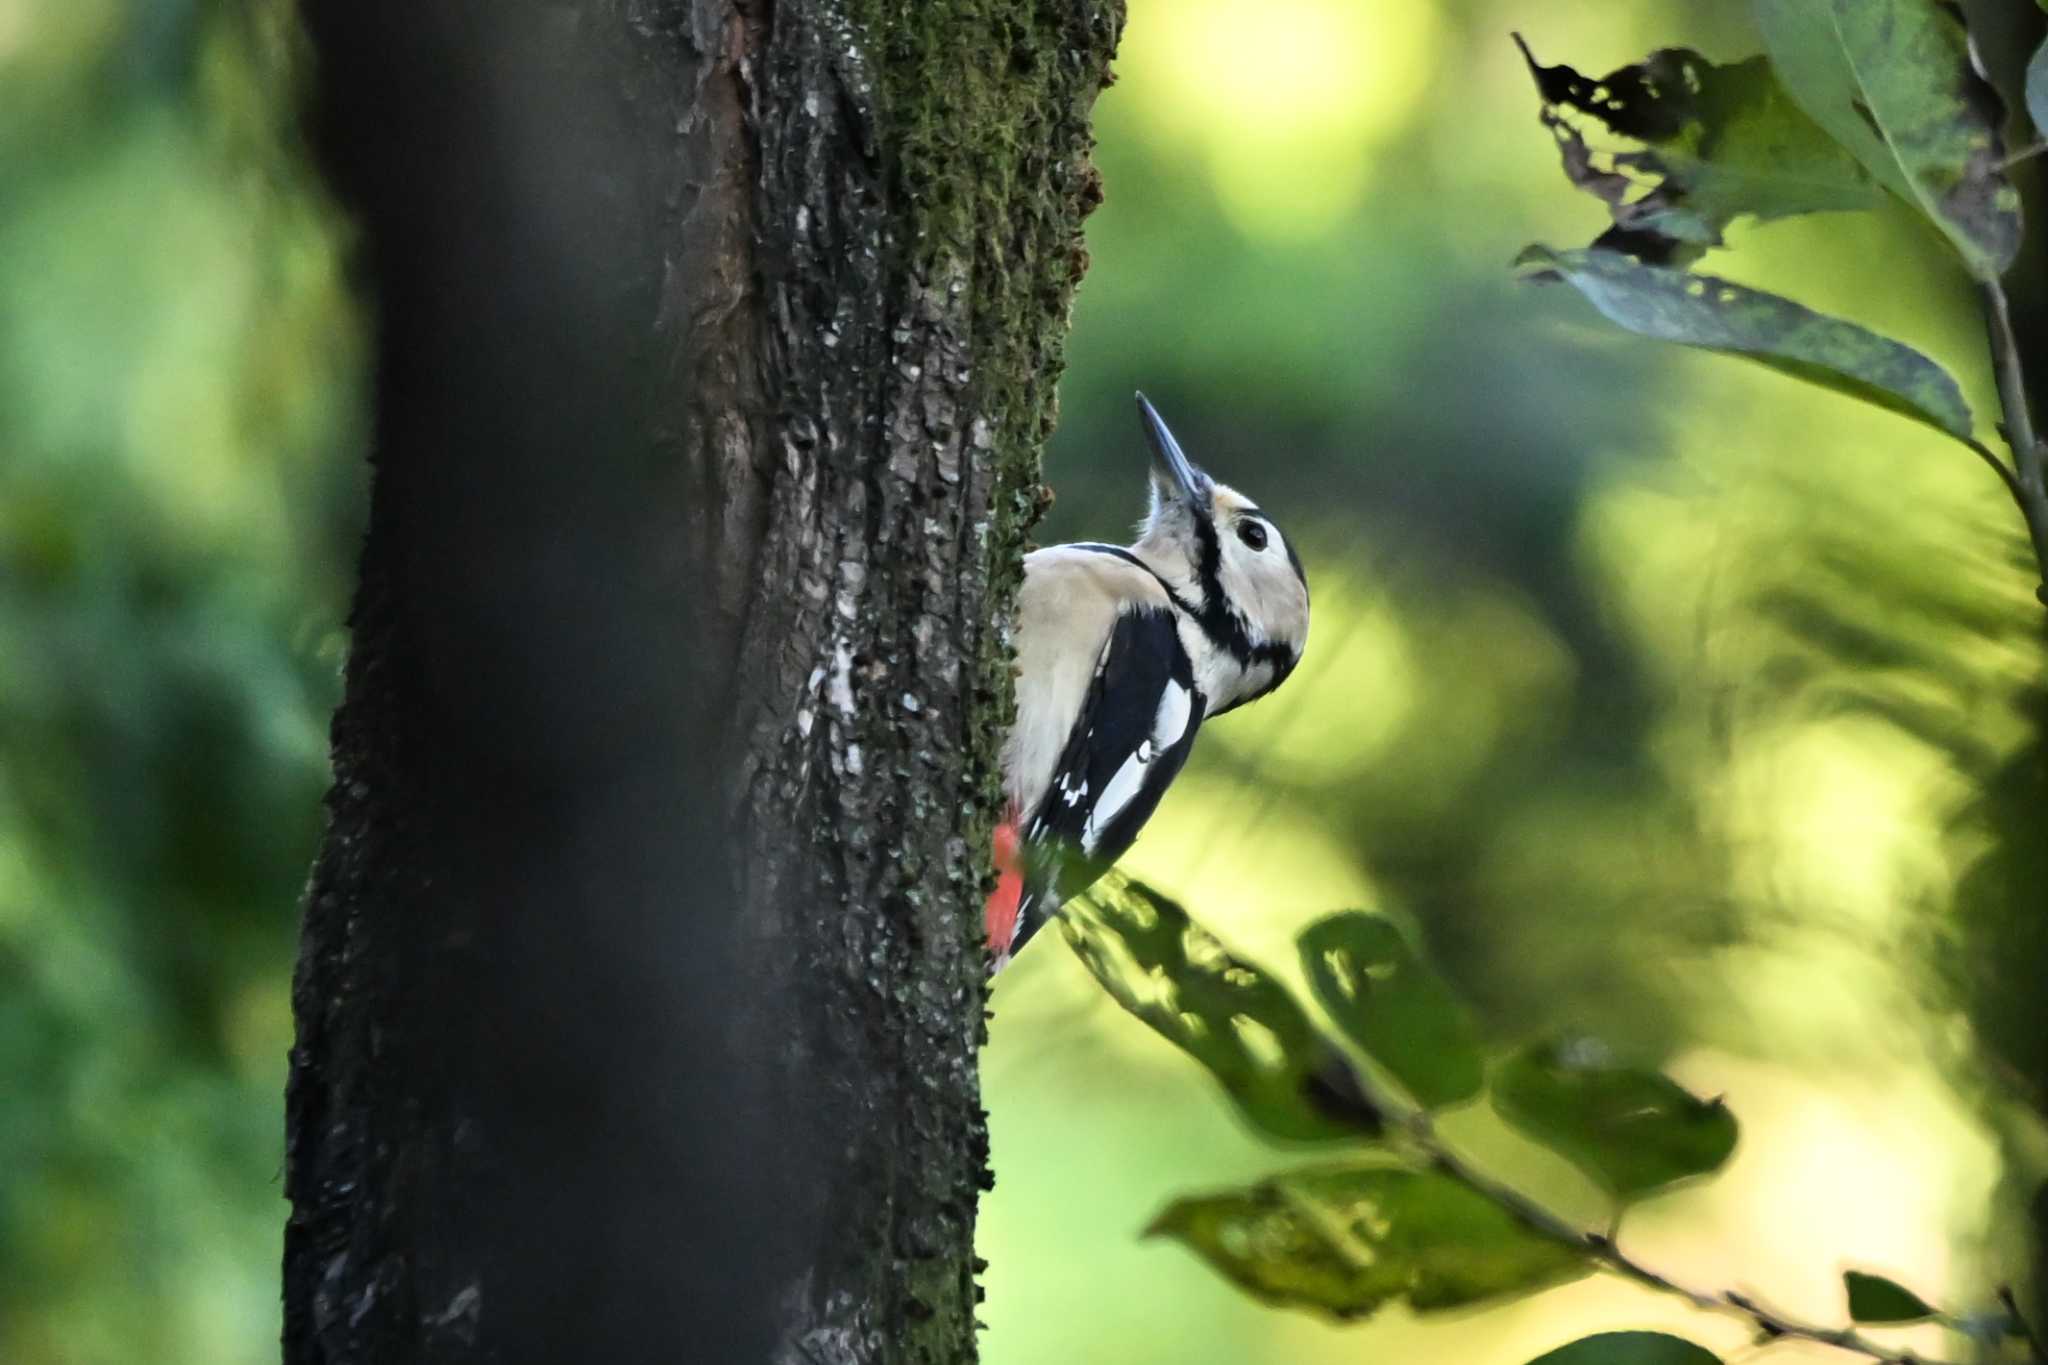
<point>1667,698</point>
<point>1660,692</point>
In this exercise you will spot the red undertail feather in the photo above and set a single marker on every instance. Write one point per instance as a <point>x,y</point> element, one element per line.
<point>1003,902</point>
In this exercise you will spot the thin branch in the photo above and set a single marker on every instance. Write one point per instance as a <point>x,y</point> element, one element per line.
<point>2001,468</point>
<point>1602,1248</point>
<point>2023,154</point>
<point>2019,424</point>
<point>2012,385</point>
<point>2020,1326</point>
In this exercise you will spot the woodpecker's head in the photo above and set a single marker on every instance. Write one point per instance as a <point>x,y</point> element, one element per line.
<point>1228,566</point>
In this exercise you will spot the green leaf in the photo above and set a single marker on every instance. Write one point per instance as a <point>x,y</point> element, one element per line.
<point>1388,1001</point>
<point>1287,1078</point>
<point>1892,81</point>
<point>1873,1298</point>
<point>1718,142</point>
<point>1629,1348</point>
<point>1715,315</point>
<point>2037,90</point>
<point>1348,1240</point>
<point>1632,1131</point>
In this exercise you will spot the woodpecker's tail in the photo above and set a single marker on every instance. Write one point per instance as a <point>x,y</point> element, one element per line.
<point>1003,912</point>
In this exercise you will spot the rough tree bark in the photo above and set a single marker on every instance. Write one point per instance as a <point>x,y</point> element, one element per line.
<point>639,988</point>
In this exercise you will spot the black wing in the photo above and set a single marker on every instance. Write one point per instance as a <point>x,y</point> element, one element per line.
<point>1134,731</point>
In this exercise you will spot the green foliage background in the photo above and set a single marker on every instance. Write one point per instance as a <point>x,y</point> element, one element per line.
<point>1667,698</point>
<point>179,465</point>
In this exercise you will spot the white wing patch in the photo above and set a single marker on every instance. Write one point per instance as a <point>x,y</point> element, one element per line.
<point>1169,724</point>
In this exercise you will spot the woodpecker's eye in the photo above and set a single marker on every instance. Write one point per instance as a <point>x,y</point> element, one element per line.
<point>1252,534</point>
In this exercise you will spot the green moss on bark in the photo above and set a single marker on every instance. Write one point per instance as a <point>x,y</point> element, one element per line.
<point>923,176</point>
<point>983,111</point>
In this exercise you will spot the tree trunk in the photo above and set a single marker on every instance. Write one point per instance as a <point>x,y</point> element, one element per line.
<point>639,988</point>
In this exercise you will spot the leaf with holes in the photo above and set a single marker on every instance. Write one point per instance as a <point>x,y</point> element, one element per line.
<point>1287,1078</point>
<point>1629,1348</point>
<point>1716,315</point>
<point>1873,1298</point>
<point>1893,81</point>
<point>1717,142</point>
<point>1348,1240</point>
<point>1632,1131</point>
<point>1386,999</point>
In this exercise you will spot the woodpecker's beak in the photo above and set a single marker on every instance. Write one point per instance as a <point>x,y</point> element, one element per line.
<point>1169,465</point>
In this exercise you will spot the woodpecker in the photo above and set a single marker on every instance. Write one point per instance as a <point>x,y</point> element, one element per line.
<point>1122,653</point>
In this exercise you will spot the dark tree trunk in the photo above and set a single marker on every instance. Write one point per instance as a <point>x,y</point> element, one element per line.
<point>639,992</point>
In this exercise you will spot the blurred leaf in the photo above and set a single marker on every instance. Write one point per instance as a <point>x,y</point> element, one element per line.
<point>1722,141</point>
<point>1386,999</point>
<point>1989,1326</point>
<point>1628,1348</point>
<point>1892,81</point>
<point>2037,90</point>
<point>1289,1080</point>
<point>1715,315</point>
<point>1632,1131</point>
<point>1873,1298</point>
<point>1348,1240</point>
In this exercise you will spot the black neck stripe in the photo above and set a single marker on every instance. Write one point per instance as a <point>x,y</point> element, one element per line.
<point>1224,627</point>
<point>1119,552</point>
